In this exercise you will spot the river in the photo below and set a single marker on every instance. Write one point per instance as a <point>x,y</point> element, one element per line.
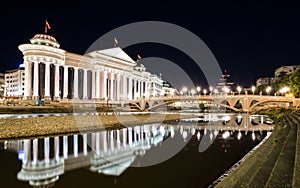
<point>188,153</point>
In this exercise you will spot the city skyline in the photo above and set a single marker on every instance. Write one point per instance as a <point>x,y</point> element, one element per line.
<point>248,41</point>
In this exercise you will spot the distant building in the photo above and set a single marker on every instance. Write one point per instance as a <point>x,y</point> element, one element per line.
<point>225,84</point>
<point>156,84</point>
<point>285,70</point>
<point>168,90</point>
<point>2,85</point>
<point>14,83</point>
<point>264,81</point>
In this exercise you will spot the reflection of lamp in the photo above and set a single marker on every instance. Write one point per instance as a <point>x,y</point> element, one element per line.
<point>226,134</point>
<point>253,135</point>
<point>198,135</point>
<point>239,136</point>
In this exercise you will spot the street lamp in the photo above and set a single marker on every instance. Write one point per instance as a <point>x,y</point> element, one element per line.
<point>198,90</point>
<point>253,89</point>
<point>269,88</point>
<point>284,90</point>
<point>239,89</point>
<point>204,91</point>
<point>216,91</point>
<point>226,89</point>
<point>184,90</point>
<point>193,92</point>
<point>211,90</point>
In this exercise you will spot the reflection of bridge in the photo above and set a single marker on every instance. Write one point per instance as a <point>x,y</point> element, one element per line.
<point>247,102</point>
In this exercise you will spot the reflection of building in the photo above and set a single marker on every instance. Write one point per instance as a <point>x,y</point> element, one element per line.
<point>285,70</point>
<point>53,73</point>
<point>14,83</point>
<point>107,152</point>
<point>264,81</point>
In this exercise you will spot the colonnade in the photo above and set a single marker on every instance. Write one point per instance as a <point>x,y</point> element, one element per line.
<point>49,80</point>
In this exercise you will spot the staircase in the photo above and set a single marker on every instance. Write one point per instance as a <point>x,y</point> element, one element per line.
<point>276,163</point>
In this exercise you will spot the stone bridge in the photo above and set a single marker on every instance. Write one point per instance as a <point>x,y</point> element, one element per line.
<point>247,102</point>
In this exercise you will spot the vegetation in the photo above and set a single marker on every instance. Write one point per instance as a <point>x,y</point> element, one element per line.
<point>292,81</point>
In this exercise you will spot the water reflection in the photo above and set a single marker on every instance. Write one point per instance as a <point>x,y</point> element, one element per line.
<point>111,152</point>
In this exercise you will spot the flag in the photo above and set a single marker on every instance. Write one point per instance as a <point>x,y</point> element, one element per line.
<point>139,57</point>
<point>116,42</point>
<point>47,26</point>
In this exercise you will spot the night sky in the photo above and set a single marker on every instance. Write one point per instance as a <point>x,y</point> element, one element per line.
<point>249,40</point>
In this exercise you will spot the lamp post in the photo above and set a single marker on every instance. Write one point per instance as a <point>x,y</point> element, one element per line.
<point>253,89</point>
<point>239,89</point>
<point>193,92</point>
<point>211,90</point>
<point>284,90</point>
<point>198,90</point>
<point>184,90</point>
<point>204,91</point>
<point>268,90</point>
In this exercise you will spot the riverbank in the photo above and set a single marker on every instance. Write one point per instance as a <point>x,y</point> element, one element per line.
<point>32,127</point>
<point>277,162</point>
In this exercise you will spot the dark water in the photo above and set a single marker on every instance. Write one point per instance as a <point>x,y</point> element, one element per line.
<point>143,156</point>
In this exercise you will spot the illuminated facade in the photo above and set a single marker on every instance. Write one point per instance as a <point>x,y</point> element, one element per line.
<point>14,83</point>
<point>52,73</point>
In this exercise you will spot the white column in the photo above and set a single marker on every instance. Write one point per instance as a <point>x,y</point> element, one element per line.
<point>93,80</point>
<point>56,148</point>
<point>27,88</point>
<point>118,86</point>
<point>111,95</point>
<point>36,80</point>
<point>124,92</point>
<point>46,150</point>
<point>65,148</point>
<point>66,89</point>
<point>85,84</point>
<point>139,88</point>
<point>104,85</point>
<point>134,89</point>
<point>147,94</point>
<point>142,89</point>
<point>56,83</point>
<point>129,88</point>
<point>97,82</point>
<point>47,80</point>
<point>75,145</point>
<point>35,151</point>
<point>75,83</point>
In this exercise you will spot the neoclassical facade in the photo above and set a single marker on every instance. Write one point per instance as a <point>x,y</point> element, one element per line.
<point>52,73</point>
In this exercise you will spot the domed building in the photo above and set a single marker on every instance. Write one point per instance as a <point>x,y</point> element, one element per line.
<point>52,73</point>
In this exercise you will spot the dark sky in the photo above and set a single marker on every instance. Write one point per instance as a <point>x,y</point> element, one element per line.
<point>249,40</point>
